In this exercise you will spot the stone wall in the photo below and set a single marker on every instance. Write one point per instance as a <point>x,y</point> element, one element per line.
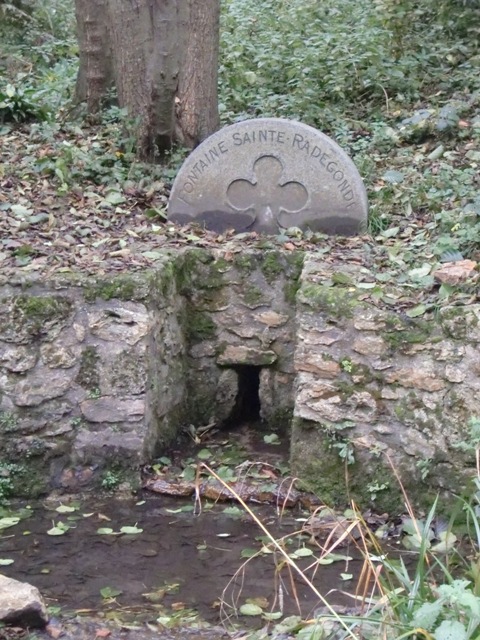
<point>101,374</point>
<point>380,390</point>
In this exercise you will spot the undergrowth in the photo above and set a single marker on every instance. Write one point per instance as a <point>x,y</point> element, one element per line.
<point>429,592</point>
<point>395,82</point>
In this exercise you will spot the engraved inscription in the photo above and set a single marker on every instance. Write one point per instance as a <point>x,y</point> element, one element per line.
<point>301,143</point>
<point>263,135</point>
<point>267,173</point>
<point>269,192</point>
<point>208,158</point>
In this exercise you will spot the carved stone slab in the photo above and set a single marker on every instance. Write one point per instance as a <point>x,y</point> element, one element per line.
<point>263,174</point>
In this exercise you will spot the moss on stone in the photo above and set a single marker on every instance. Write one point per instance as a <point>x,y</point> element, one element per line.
<point>35,311</point>
<point>245,262</point>
<point>23,479</point>
<point>455,322</point>
<point>272,265</point>
<point>121,287</point>
<point>88,376</point>
<point>198,269</point>
<point>199,326</point>
<point>322,471</point>
<point>280,420</point>
<point>252,295</point>
<point>335,301</point>
<point>164,281</point>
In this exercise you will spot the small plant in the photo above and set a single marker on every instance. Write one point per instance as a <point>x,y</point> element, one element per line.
<point>8,421</point>
<point>111,480</point>
<point>20,103</point>
<point>346,365</point>
<point>9,472</point>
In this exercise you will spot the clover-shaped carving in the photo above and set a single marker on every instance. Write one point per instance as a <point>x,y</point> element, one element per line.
<point>268,193</point>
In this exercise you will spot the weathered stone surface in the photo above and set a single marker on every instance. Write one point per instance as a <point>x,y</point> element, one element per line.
<point>18,358</point>
<point>240,354</point>
<point>113,409</point>
<point>272,318</point>
<point>370,345</point>
<point>55,355</point>
<point>262,174</point>
<point>21,604</point>
<point>43,384</point>
<point>316,363</point>
<point>25,317</point>
<point>107,444</point>
<point>456,272</point>
<point>416,377</point>
<point>126,321</point>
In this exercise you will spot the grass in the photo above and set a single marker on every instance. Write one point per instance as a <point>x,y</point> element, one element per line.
<point>430,592</point>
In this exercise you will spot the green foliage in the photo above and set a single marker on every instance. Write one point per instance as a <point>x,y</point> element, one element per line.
<point>111,480</point>
<point>9,473</point>
<point>20,103</point>
<point>299,58</point>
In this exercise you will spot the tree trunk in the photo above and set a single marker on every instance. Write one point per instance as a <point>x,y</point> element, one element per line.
<point>165,58</point>
<point>95,75</point>
<point>197,106</point>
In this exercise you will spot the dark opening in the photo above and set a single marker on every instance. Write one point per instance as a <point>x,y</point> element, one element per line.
<point>247,404</point>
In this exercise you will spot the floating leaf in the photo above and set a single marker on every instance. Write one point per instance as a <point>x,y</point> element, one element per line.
<point>110,592</point>
<point>333,557</point>
<point>131,530</point>
<point>106,531</point>
<point>250,609</point>
<point>58,529</point>
<point>63,508</point>
<point>248,553</point>
<point>9,521</point>
<point>4,562</point>
<point>271,438</point>
<point>346,576</point>
<point>272,615</point>
<point>304,552</point>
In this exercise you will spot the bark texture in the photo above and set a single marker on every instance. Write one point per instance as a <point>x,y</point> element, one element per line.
<point>197,106</point>
<point>163,58</point>
<point>95,75</point>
